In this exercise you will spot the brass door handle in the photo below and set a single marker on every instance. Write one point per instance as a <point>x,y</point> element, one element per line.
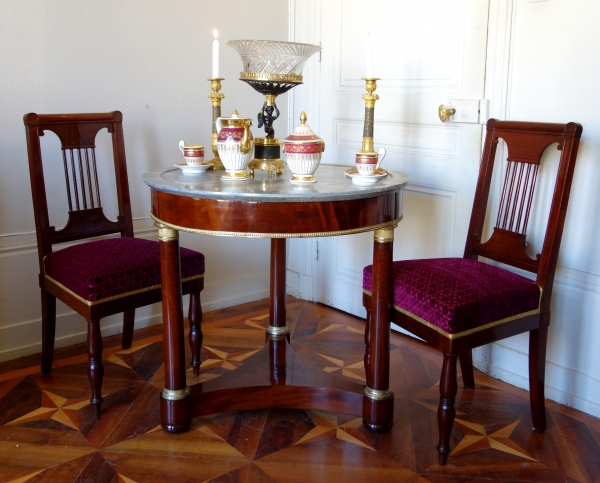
<point>445,113</point>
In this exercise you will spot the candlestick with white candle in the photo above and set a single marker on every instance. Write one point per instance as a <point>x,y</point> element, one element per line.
<point>215,97</point>
<point>369,46</point>
<point>215,55</point>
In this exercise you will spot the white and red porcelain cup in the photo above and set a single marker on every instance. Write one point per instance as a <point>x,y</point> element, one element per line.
<point>368,162</point>
<point>193,154</point>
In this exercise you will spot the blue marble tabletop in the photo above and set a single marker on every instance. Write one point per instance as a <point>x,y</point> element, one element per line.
<point>332,184</point>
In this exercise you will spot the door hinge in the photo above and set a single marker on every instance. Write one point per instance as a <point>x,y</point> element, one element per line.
<point>316,249</point>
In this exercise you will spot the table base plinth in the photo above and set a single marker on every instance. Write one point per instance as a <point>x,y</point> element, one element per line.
<point>276,377</point>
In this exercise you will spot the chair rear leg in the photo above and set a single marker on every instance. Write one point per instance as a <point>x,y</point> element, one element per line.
<point>195,335</point>
<point>466,368</point>
<point>367,359</point>
<point>537,376</point>
<point>128,318</point>
<point>95,368</point>
<point>48,330</point>
<point>446,411</point>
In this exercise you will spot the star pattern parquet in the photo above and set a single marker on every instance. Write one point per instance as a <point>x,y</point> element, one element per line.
<point>49,433</point>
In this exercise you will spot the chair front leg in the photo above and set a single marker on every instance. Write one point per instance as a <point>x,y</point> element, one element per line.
<point>466,368</point>
<point>95,368</point>
<point>537,376</point>
<point>446,411</point>
<point>48,330</point>
<point>128,319</point>
<point>195,335</point>
<point>367,359</point>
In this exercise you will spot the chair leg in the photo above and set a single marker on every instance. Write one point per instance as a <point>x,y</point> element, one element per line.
<point>128,318</point>
<point>537,376</point>
<point>48,330</point>
<point>367,359</point>
<point>195,335</point>
<point>466,368</point>
<point>446,411</point>
<point>95,368</point>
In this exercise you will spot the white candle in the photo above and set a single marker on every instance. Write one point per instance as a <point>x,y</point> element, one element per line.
<point>215,55</point>
<point>369,46</point>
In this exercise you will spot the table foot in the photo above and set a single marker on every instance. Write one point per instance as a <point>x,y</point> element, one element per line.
<point>176,410</point>
<point>378,414</point>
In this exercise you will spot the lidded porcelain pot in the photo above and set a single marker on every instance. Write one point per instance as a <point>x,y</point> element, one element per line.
<point>234,143</point>
<point>303,149</point>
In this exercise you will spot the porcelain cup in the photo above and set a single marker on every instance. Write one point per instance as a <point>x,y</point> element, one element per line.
<point>193,154</point>
<point>368,162</point>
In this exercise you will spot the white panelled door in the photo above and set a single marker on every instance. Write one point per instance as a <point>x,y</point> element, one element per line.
<point>426,52</point>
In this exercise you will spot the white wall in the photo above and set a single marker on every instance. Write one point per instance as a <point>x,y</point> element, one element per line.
<point>543,66</point>
<point>149,59</point>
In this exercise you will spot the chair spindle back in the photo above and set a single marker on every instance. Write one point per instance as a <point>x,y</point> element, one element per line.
<point>526,143</point>
<point>77,135</point>
<point>80,168</point>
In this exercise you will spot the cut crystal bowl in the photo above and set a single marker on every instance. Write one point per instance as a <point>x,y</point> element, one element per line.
<point>273,59</point>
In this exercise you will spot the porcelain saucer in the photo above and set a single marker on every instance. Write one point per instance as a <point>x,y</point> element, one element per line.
<point>187,169</point>
<point>360,179</point>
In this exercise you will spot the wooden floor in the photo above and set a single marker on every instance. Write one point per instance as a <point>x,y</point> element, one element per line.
<point>48,431</point>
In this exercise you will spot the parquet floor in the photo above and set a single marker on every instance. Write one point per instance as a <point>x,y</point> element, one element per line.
<point>48,431</point>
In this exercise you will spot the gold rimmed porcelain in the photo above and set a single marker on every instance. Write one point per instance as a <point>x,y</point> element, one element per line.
<point>358,178</point>
<point>236,176</point>
<point>300,179</point>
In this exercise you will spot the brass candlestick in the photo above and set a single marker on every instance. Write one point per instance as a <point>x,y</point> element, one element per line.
<point>215,96</point>
<point>370,98</point>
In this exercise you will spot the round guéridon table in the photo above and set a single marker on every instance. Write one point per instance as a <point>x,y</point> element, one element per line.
<point>275,208</point>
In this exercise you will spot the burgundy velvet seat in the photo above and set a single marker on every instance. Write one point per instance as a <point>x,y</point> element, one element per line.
<point>457,304</point>
<point>105,276</point>
<point>98,270</point>
<point>456,295</point>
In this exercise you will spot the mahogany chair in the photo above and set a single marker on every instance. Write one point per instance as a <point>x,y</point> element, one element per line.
<point>105,276</point>
<point>457,304</point>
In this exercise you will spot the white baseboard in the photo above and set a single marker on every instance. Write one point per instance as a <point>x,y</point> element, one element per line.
<point>109,326</point>
<point>71,327</point>
<point>232,301</point>
<point>578,390</point>
<point>580,383</point>
<point>300,285</point>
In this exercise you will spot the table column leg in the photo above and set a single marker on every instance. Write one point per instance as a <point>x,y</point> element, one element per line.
<point>378,400</point>
<point>175,401</point>
<point>277,325</point>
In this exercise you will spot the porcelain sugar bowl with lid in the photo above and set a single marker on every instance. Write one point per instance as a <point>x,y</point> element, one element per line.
<point>303,149</point>
<point>234,142</point>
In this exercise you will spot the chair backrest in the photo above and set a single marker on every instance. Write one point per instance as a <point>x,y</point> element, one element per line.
<point>77,134</point>
<point>526,142</point>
